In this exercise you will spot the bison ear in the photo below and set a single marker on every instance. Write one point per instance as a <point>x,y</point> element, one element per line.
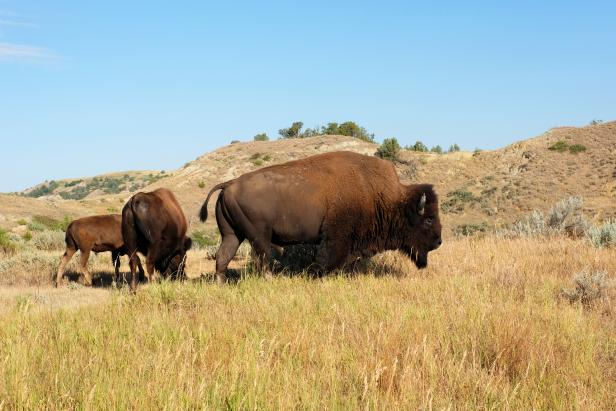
<point>187,243</point>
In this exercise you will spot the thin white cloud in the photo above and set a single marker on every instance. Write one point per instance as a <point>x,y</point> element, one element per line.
<point>22,52</point>
<point>14,23</point>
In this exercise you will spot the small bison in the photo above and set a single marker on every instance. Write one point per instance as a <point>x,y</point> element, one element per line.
<point>154,225</point>
<point>97,233</point>
<point>349,205</point>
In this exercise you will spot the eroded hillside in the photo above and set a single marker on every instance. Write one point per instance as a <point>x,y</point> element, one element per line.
<point>489,188</point>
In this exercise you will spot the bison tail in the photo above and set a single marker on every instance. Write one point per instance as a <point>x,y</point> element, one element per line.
<point>69,239</point>
<point>221,186</point>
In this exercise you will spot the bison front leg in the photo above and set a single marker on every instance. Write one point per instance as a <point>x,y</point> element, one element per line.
<point>68,254</point>
<point>262,251</point>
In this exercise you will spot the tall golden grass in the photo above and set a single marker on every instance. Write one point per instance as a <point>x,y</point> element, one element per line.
<point>484,326</point>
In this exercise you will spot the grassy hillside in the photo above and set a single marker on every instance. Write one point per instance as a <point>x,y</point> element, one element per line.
<point>488,189</point>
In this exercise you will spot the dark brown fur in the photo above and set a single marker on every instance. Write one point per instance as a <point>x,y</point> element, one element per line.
<point>154,225</point>
<point>349,204</point>
<point>97,233</point>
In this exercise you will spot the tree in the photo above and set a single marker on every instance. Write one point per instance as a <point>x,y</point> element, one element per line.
<point>453,148</point>
<point>291,132</point>
<point>418,146</point>
<point>312,132</point>
<point>348,128</point>
<point>389,150</point>
<point>437,149</point>
<point>261,137</point>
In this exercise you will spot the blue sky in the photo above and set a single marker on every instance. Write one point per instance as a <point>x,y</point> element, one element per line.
<point>87,89</point>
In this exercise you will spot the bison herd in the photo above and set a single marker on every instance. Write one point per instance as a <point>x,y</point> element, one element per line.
<point>346,204</point>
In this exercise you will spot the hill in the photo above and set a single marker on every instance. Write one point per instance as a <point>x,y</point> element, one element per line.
<point>484,189</point>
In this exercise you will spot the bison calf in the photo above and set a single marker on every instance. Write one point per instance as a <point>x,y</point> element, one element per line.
<point>154,225</point>
<point>96,233</point>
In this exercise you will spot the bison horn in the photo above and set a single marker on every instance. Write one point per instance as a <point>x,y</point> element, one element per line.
<point>422,204</point>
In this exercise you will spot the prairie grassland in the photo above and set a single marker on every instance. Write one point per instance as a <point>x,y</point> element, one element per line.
<point>484,326</point>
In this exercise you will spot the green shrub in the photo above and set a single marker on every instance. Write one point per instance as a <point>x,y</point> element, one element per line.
<point>204,239</point>
<point>41,222</point>
<point>257,162</point>
<point>437,149</point>
<point>348,128</point>
<point>577,148</point>
<point>44,189</point>
<point>291,132</point>
<point>22,221</point>
<point>72,183</point>
<point>418,146</point>
<point>560,146</point>
<point>6,245</point>
<point>201,184</point>
<point>457,201</point>
<point>389,150</point>
<point>261,137</point>
<point>453,148</point>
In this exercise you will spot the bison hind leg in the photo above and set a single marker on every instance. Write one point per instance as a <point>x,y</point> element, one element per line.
<point>228,247</point>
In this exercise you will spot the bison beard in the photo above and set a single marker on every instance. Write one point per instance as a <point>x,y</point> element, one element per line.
<point>346,204</point>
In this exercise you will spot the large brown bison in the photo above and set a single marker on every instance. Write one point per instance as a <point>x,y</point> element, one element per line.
<point>154,225</point>
<point>348,204</point>
<point>97,233</point>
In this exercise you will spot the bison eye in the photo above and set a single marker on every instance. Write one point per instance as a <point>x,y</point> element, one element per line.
<point>428,222</point>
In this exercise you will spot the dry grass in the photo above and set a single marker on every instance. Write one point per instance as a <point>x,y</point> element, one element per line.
<point>484,326</point>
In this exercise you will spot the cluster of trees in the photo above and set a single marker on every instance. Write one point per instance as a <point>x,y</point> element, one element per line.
<point>348,128</point>
<point>421,147</point>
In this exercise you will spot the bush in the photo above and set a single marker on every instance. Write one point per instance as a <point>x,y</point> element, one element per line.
<point>48,240</point>
<point>291,132</point>
<point>44,189</point>
<point>201,184</point>
<point>41,222</point>
<point>453,148</point>
<point>565,217</point>
<point>560,146</point>
<point>348,128</point>
<point>389,150</point>
<point>476,152</point>
<point>588,288</point>
<point>470,229</point>
<point>577,148</point>
<point>203,239</point>
<point>261,137</point>
<point>457,200</point>
<point>6,245</point>
<point>437,149</point>
<point>603,235</point>
<point>418,146</point>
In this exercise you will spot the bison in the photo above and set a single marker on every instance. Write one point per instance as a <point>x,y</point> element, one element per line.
<point>97,233</point>
<point>153,224</point>
<point>349,205</point>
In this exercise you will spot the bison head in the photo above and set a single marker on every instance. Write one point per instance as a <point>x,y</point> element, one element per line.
<point>421,210</point>
<point>173,265</point>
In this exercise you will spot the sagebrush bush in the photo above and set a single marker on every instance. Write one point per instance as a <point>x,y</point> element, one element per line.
<point>565,217</point>
<point>603,235</point>
<point>588,287</point>
<point>48,240</point>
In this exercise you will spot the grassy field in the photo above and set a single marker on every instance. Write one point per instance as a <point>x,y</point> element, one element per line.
<point>485,326</point>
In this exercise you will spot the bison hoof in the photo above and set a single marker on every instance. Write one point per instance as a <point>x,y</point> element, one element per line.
<point>221,279</point>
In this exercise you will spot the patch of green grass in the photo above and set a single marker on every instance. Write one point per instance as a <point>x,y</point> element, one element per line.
<point>203,238</point>
<point>577,148</point>
<point>560,146</point>
<point>6,245</point>
<point>41,222</point>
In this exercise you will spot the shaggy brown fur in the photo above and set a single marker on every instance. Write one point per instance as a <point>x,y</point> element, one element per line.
<point>349,204</point>
<point>154,225</point>
<point>97,233</point>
